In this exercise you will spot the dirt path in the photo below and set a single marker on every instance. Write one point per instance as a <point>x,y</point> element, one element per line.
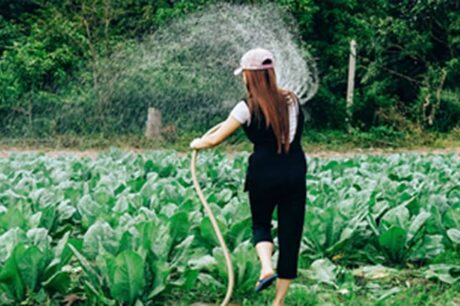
<point>351,153</point>
<point>6,151</point>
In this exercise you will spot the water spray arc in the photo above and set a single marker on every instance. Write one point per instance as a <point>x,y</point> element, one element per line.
<point>184,68</point>
<point>228,260</point>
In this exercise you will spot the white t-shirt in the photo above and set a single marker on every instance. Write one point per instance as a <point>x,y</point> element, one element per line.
<point>241,113</point>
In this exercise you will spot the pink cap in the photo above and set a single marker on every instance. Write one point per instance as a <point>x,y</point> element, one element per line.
<point>254,59</point>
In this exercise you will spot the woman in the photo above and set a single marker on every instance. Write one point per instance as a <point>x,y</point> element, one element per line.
<point>277,168</point>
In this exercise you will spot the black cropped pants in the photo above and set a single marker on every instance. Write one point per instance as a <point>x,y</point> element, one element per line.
<point>288,194</point>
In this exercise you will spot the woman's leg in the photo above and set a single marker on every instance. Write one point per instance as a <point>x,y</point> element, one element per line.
<point>291,215</point>
<point>265,251</point>
<point>262,205</point>
<point>282,286</point>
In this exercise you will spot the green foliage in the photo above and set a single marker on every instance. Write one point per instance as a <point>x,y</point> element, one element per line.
<point>128,228</point>
<point>53,54</point>
<point>32,67</point>
<point>398,42</point>
<point>126,275</point>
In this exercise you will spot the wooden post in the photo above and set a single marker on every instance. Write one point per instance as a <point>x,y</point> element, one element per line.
<point>153,124</point>
<point>351,82</point>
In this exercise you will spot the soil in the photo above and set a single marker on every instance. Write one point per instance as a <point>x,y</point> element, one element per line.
<point>6,151</point>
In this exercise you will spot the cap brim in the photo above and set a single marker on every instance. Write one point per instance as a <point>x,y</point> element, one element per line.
<point>238,71</point>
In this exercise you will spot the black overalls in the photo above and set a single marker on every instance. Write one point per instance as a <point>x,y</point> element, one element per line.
<point>277,180</point>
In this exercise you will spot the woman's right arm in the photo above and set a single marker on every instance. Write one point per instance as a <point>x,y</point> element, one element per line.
<point>239,115</point>
<point>208,141</point>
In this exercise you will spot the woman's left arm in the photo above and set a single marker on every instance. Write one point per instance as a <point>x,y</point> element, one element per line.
<point>213,139</point>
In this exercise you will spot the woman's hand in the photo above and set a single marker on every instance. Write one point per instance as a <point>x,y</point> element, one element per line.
<point>195,144</point>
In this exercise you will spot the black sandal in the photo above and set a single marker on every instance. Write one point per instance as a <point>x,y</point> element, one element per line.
<point>265,282</point>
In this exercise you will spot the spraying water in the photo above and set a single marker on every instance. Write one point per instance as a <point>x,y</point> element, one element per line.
<point>185,68</point>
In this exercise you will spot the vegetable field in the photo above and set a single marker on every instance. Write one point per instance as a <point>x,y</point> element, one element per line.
<point>126,228</point>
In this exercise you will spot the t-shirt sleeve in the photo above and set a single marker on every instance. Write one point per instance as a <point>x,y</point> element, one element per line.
<point>241,113</point>
<point>294,104</point>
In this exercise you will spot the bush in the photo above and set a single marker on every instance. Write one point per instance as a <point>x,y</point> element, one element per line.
<point>55,58</point>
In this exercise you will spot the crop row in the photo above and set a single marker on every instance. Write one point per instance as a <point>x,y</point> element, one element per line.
<point>129,228</point>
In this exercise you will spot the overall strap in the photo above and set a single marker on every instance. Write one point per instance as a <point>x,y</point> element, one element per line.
<point>300,119</point>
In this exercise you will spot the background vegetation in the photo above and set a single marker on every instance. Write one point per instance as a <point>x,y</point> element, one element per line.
<point>52,56</point>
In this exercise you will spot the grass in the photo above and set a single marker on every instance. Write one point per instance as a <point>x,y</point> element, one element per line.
<point>405,288</point>
<point>313,141</point>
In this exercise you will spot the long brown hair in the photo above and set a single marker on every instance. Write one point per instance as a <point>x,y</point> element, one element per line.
<point>265,98</point>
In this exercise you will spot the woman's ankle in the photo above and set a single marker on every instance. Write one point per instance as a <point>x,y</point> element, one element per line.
<point>278,303</point>
<point>264,272</point>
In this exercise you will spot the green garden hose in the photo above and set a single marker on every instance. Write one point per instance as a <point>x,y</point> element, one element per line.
<point>228,260</point>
